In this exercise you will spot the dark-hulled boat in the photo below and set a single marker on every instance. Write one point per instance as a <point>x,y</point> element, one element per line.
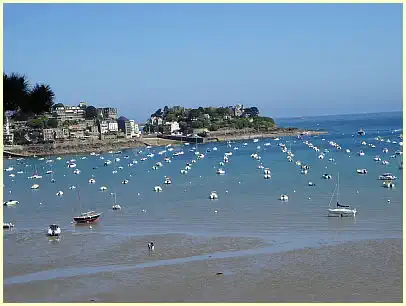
<point>361,132</point>
<point>88,217</point>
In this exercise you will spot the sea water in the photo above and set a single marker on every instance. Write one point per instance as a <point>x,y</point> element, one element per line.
<point>248,204</point>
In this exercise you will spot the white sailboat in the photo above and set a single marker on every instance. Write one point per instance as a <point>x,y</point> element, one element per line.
<point>340,210</point>
<point>115,205</point>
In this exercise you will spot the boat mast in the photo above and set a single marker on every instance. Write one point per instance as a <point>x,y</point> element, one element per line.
<point>338,185</point>
<point>329,204</point>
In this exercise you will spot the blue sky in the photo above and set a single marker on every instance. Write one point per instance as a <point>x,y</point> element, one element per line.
<point>286,59</point>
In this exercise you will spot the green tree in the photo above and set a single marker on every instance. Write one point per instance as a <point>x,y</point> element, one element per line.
<point>193,113</point>
<point>15,91</point>
<point>213,127</point>
<point>52,123</point>
<point>171,117</point>
<point>36,123</point>
<point>41,99</point>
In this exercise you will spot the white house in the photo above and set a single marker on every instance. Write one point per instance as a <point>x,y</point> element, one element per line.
<point>172,126</point>
<point>113,126</point>
<point>104,127</point>
<point>134,128</point>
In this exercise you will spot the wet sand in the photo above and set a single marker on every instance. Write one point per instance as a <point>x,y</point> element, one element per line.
<point>364,271</point>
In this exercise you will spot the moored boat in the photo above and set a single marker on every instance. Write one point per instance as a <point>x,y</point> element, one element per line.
<point>341,210</point>
<point>87,217</point>
<point>11,203</point>
<point>54,230</point>
<point>8,225</point>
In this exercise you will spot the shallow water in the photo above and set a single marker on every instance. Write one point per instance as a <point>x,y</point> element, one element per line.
<point>248,205</point>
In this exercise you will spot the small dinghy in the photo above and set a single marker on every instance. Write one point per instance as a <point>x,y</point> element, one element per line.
<point>327,176</point>
<point>8,225</point>
<point>92,181</point>
<point>284,197</point>
<point>103,188</point>
<point>35,186</point>
<point>311,184</point>
<point>389,184</point>
<point>59,193</point>
<point>11,203</point>
<point>362,171</point>
<point>213,195</point>
<point>54,230</point>
<point>116,207</point>
<point>267,176</point>
<point>76,171</point>
<point>125,182</point>
<point>387,177</point>
<point>157,188</point>
<point>220,171</point>
<point>167,181</point>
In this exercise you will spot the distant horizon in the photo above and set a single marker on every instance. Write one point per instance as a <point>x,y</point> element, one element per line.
<point>341,114</point>
<point>287,59</point>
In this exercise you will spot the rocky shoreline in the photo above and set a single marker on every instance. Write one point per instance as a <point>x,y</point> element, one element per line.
<point>71,147</point>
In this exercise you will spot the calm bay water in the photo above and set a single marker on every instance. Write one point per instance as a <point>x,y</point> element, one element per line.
<point>248,205</point>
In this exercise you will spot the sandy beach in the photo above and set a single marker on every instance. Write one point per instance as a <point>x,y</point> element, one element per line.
<point>364,271</point>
